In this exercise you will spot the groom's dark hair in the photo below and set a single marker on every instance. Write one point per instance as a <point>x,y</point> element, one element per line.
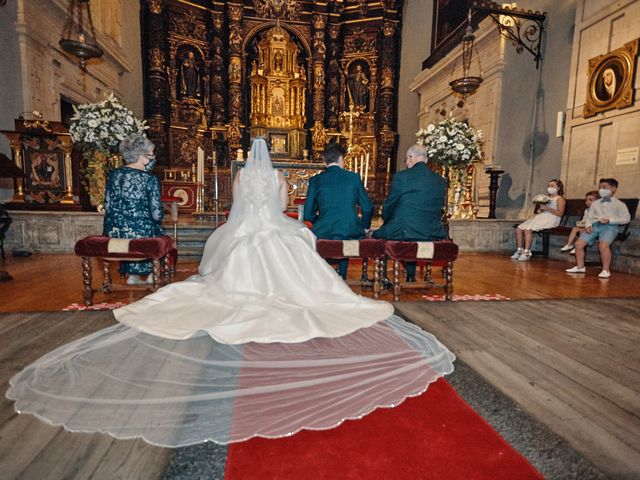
<point>332,153</point>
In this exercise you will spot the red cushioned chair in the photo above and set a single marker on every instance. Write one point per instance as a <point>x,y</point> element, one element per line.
<point>160,250</point>
<point>363,249</point>
<point>437,254</point>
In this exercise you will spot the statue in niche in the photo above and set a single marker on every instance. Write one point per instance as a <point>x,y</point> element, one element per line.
<point>359,87</point>
<point>190,78</point>
<point>278,62</point>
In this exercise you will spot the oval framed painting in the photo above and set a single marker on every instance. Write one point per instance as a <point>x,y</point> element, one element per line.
<point>610,83</point>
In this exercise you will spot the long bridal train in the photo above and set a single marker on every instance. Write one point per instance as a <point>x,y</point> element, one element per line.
<point>174,393</point>
<point>265,341</point>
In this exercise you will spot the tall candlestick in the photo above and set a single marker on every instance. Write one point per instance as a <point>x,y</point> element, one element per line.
<point>366,171</point>
<point>389,165</point>
<point>200,169</point>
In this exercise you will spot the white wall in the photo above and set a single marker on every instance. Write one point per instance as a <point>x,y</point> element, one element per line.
<point>415,47</point>
<point>591,144</point>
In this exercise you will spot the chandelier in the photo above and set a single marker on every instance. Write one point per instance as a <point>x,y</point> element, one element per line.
<point>79,36</point>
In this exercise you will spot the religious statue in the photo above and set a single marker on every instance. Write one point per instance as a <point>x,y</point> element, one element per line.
<point>190,78</point>
<point>277,62</point>
<point>359,88</point>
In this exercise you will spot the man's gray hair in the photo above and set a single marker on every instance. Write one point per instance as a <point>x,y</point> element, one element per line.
<point>417,150</point>
<point>133,146</point>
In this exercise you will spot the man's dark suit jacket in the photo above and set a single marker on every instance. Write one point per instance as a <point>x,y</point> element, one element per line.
<point>332,200</point>
<point>413,209</point>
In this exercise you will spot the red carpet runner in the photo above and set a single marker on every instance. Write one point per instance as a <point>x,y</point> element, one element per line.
<point>433,436</point>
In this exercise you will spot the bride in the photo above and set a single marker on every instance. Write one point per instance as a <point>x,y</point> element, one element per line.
<point>266,340</point>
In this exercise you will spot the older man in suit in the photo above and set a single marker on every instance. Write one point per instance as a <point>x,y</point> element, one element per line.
<point>332,203</point>
<point>413,210</point>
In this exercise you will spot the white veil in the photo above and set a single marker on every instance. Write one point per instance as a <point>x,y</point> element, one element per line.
<point>257,192</point>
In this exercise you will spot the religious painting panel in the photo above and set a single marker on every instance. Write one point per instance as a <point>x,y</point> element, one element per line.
<point>611,79</point>
<point>44,166</point>
<point>449,17</point>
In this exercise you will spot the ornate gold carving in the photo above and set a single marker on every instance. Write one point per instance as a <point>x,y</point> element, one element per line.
<point>235,75</point>
<point>234,136</point>
<point>235,12</point>
<point>388,28</point>
<point>387,77</point>
<point>285,9</point>
<point>37,124</point>
<point>156,60</point>
<point>217,20</point>
<point>334,31</point>
<point>319,21</point>
<point>359,42</point>
<point>319,137</point>
<point>190,26</point>
<point>155,6</point>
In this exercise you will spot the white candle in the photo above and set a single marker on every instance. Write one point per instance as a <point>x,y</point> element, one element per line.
<point>388,164</point>
<point>366,171</point>
<point>355,165</point>
<point>361,166</point>
<point>240,155</point>
<point>200,169</point>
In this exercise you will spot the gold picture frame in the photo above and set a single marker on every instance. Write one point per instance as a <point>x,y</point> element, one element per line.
<point>611,77</point>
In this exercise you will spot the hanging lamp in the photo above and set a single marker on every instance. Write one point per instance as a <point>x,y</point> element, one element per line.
<point>79,36</point>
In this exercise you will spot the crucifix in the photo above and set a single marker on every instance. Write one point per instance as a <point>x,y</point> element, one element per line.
<point>351,114</point>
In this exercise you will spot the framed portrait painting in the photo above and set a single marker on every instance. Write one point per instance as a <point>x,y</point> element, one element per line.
<point>610,80</point>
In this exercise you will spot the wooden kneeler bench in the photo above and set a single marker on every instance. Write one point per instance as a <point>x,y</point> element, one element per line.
<point>430,254</point>
<point>362,249</point>
<point>160,250</point>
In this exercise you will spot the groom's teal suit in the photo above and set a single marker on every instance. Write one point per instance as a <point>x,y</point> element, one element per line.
<point>413,208</point>
<point>332,200</point>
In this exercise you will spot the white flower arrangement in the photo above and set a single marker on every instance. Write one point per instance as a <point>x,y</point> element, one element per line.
<point>451,143</point>
<point>98,129</point>
<point>102,126</point>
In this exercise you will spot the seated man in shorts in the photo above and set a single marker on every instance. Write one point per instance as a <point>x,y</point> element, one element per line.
<point>605,215</point>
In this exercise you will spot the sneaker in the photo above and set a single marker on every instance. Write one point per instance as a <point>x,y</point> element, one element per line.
<point>604,274</point>
<point>576,270</point>
<point>516,255</point>
<point>135,280</point>
<point>573,251</point>
<point>566,248</point>
<point>524,257</point>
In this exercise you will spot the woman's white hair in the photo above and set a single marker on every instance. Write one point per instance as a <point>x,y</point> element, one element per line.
<point>133,146</point>
<point>417,150</point>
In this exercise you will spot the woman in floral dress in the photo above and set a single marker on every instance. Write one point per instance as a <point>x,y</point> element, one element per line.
<point>133,207</point>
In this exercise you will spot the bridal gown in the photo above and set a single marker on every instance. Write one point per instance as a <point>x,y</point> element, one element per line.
<point>266,340</point>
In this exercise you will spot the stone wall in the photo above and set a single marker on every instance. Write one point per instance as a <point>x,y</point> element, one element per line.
<point>591,144</point>
<point>515,103</point>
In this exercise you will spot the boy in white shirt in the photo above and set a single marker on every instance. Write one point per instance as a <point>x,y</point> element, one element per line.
<point>602,223</point>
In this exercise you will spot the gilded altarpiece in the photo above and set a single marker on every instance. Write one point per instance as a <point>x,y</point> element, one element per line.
<point>300,73</point>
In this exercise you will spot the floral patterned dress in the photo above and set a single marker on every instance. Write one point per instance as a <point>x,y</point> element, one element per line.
<point>133,209</point>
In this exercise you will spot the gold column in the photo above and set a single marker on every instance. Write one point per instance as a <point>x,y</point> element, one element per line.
<point>68,172</point>
<point>14,139</point>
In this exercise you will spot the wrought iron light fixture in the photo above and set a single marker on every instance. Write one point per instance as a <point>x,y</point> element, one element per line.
<point>79,36</point>
<point>523,28</point>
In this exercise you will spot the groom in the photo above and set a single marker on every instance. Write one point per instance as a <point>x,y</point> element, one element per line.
<point>413,209</point>
<point>332,200</point>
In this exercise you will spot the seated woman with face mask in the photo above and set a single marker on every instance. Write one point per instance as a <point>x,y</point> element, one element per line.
<point>132,202</point>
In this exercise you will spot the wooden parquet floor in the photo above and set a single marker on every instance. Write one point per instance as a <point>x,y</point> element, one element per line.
<point>51,282</point>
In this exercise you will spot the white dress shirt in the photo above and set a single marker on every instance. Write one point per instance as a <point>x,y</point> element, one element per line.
<point>610,208</point>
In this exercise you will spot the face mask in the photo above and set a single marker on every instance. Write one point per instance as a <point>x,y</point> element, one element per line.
<point>552,190</point>
<point>604,192</point>
<point>149,166</point>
